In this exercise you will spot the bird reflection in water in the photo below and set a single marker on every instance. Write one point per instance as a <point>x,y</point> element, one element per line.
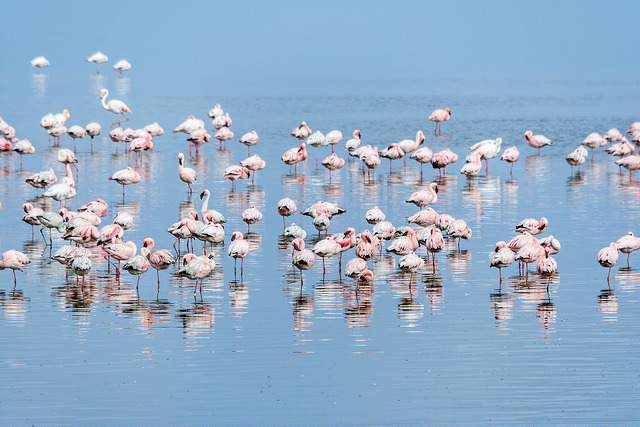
<point>537,166</point>
<point>39,83</point>
<point>335,190</point>
<point>458,260</point>
<point>359,299</point>
<point>239,298</point>
<point>303,307</point>
<point>575,180</point>
<point>196,319</point>
<point>77,298</point>
<point>502,304</point>
<point>14,306</point>
<point>409,310</point>
<point>546,313</point>
<point>434,291</point>
<point>627,278</point>
<point>149,314</point>
<point>608,305</point>
<point>123,86</point>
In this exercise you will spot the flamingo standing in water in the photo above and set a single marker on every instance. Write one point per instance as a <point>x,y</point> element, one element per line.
<point>532,225</point>
<point>239,248</point>
<point>303,259</point>
<point>489,149</point>
<point>210,216</point>
<point>249,139</point>
<point>409,146</point>
<point>98,58</point>
<point>138,265</point>
<point>392,152</point>
<point>424,198</point>
<point>115,106</point>
<point>332,138</point>
<point>187,175</point>
<point>254,164</point>
<point>235,172</point>
<point>93,129</point>
<point>510,155</point>
<point>440,116</point>
<point>501,257</point>
<point>224,134</point>
<point>332,162</point>
<point>286,207</point>
<point>631,163</point>
<point>76,132</point>
<point>42,179</point>
<point>608,257</point>
<point>251,216</point>
<point>23,147</point>
<point>422,155</point>
<point>14,260</point>
<point>294,156</point>
<point>627,244</point>
<point>410,263</point>
<point>125,177</point>
<point>301,132</point>
<point>122,66</point>
<point>354,142</point>
<point>536,141</point>
<point>594,140</point>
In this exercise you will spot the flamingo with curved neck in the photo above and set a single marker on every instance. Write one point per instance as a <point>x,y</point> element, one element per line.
<point>115,106</point>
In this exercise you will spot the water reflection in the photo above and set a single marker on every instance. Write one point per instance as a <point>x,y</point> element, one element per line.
<point>14,306</point>
<point>608,305</point>
<point>149,314</point>
<point>197,321</point>
<point>123,86</point>
<point>96,83</point>
<point>39,83</point>
<point>502,304</point>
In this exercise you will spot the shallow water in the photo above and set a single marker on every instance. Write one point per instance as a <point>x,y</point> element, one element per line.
<point>450,346</point>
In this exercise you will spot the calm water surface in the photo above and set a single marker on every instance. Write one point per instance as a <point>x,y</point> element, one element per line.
<point>451,347</point>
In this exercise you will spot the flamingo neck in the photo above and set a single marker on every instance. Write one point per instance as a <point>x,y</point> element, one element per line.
<point>205,205</point>
<point>104,100</point>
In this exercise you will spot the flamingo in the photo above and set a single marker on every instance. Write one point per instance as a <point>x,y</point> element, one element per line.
<point>249,139</point>
<point>125,177</point>
<point>120,251</point>
<point>187,175</point>
<point>251,216</point>
<point>326,248</point>
<point>197,268</point>
<point>458,229</point>
<point>138,264</point>
<point>628,244</point>
<point>383,230</point>
<point>293,232</point>
<point>366,247</point>
<point>409,146</point>
<point>235,172</point>
<point>59,192</point>
<point>51,220</point>
<point>14,260</point>
<point>239,248</point>
<point>631,163</point>
<point>5,145</point>
<point>404,244</point>
<point>392,152</point>
<point>322,223</point>
<point>216,111</point>
<point>552,243</point>
<point>42,179</point>
<point>536,141</point>
<point>254,164</point>
<point>303,259</point>
<point>410,263</point>
<point>198,137</point>
<point>56,131</point>
<point>154,129</point>
<point>115,106</point>
<point>76,132</point>
<point>301,132</point>
<point>575,159</point>
<point>222,121</point>
<point>530,253</point>
<point>93,129</point>
<point>323,208</point>
<point>594,140</point>
<point>82,234</point>
<point>356,268</point>
<point>510,155</point>
<point>31,215</point>
<point>23,147</point>
<point>39,62</point>
<point>98,58</point>
<point>333,138</point>
<point>612,135</point>
<point>532,225</point>
<point>286,207</point>
<point>108,233</point>
<point>442,159</point>
<point>440,116</point>
<point>81,266</point>
<point>224,134</point>
<point>122,66</point>
<point>98,207</point>
<point>546,265</point>
<point>434,244</point>
<point>189,125</point>
<point>424,217</point>
<point>608,257</point>
<point>501,257</point>
<point>371,159</point>
<point>124,220</point>
<point>489,149</point>
<point>374,215</point>
<point>294,156</point>
<point>621,149</point>
<point>422,156</point>
<point>317,139</point>
<point>332,162</point>
<point>354,142</point>
<point>424,198</point>
<point>474,166</point>
<point>209,215</point>
<point>211,233</point>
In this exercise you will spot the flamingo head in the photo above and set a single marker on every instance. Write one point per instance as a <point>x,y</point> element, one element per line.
<point>204,193</point>
<point>434,186</point>
<point>147,243</point>
<point>298,244</point>
<point>236,235</point>
<point>448,110</point>
<point>27,207</point>
<point>528,134</point>
<point>543,222</point>
<point>103,93</point>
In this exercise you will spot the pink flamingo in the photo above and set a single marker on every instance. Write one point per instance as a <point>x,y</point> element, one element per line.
<point>422,156</point>
<point>424,198</point>
<point>56,132</point>
<point>294,156</point>
<point>575,159</point>
<point>138,265</point>
<point>249,139</point>
<point>303,259</point>
<point>608,257</point>
<point>501,257</point>
<point>366,248</point>
<point>536,141</point>
<point>333,138</point>
<point>458,229</point>
<point>354,142</point>
<point>392,152</point>
<point>98,207</point>
<point>23,147</point>
<point>254,164</point>
<point>187,175</point>
<point>408,145</point>
<point>530,253</point>
<point>42,179</point>
<point>239,248</point>
<point>154,129</point>
<point>93,129</point>
<point>489,149</point>
<point>627,244</point>
<point>474,166</point>
<point>235,172</point>
<point>332,162</point>
<point>631,163</point>
<point>356,268</point>
<point>108,233</point>
<point>224,134</point>
<point>189,125</point>
<point>323,208</point>
<point>442,159</point>
<point>510,155</point>
<point>115,106</point>
<point>197,268</point>
<point>14,260</point>
<point>410,263</point>
<point>405,243</point>
<point>440,116</point>
<point>424,217</point>
<point>210,215</point>
<point>216,111</point>
<point>594,140</point>
<point>612,135</point>
<point>434,244</point>
<point>374,215</point>
<point>621,149</point>
<point>251,216</point>
<point>31,216</point>
<point>76,132</point>
<point>125,177</point>
<point>326,248</point>
<point>286,207</point>
<point>98,58</point>
<point>532,225</point>
<point>120,251</point>
<point>301,132</point>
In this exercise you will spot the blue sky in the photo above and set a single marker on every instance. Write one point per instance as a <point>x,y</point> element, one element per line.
<point>333,42</point>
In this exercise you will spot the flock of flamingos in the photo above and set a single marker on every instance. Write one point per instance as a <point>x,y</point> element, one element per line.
<point>81,227</point>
